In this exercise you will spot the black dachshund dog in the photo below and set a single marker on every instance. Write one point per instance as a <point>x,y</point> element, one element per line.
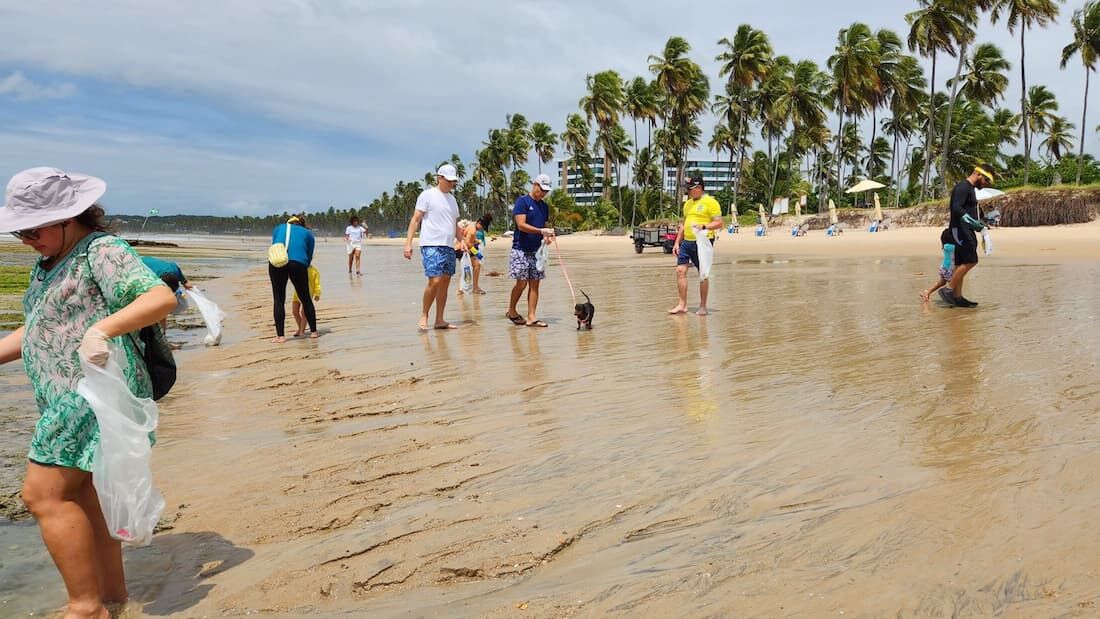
<point>584,312</point>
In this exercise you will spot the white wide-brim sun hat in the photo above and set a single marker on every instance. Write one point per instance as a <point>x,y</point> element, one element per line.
<point>43,196</point>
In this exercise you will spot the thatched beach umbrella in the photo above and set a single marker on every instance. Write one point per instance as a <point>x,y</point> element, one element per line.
<point>878,209</point>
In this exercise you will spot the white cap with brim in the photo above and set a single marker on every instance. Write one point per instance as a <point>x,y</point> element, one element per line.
<point>448,172</point>
<point>544,181</point>
<point>43,196</point>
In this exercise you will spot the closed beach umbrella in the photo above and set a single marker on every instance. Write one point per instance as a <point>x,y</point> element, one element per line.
<point>832,212</point>
<point>733,210</point>
<point>798,209</point>
<point>878,209</point>
<point>763,215</point>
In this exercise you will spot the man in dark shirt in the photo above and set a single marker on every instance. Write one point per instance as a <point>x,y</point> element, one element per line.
<point>530,214</point>
<point>965,221</point>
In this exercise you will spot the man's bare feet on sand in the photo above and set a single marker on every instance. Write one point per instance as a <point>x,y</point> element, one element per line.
<point>679,309</point>
<point>924,296</point>
<point>278,340</point>
<point>313,335</point>
<point>702,311</point>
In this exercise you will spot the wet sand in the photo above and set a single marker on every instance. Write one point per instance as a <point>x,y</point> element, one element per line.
<point>820,444</point>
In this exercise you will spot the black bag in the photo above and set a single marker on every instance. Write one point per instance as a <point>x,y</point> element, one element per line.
<point>155,351</point>
<point>159,361</point>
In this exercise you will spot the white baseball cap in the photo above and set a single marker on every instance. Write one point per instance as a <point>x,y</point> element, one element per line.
<point>543,181</point>
<point>43,196</point>
<point>448,172</point>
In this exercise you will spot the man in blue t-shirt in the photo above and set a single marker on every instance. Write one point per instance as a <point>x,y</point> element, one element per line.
<point>530,214</point>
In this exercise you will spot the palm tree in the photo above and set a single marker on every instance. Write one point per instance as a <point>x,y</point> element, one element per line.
<point>745,62</point>
<point>1086,42</point>
<point>933,28</point>
<point>686,91</point>
<point>888,72</point>
<point>574,140</point>
<point>1039,114</point>
<point>1025,14</point>
<point>640,103</point>
<point>543,139</point>
<point>603,103</point>
<point>967,11</point>
<point>855,78</point>
<point>875,162</point>
<point>907,93</point>
<point>1058,140</point>
<point>984,79</point>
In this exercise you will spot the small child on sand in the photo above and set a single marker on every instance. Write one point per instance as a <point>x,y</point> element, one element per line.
<point>296,304</point>
<point>947,267</point>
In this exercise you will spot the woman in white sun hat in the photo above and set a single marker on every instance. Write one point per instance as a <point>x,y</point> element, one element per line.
<point>87,288</point>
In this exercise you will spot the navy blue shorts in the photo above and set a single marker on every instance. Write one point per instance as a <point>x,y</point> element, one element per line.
<point>689,253</point>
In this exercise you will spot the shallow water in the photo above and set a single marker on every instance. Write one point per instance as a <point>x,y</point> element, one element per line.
<point>821,443</point>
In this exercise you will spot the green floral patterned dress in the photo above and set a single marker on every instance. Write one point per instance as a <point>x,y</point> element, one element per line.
<point>101,275</point>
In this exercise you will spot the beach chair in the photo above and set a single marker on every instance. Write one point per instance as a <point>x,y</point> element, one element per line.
<point>993,218</point>
<point>803,229</point>
<point>885,225</point>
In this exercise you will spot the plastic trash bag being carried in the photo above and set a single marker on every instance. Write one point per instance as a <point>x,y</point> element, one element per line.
<point>120,465</point>
<point>467,267</point>
<point>987,242</point>
<point>541,257</point>
<point>706,253</point>
<point>212,315</point>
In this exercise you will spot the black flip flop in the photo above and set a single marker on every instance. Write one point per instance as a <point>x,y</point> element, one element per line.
<point>517,319</point>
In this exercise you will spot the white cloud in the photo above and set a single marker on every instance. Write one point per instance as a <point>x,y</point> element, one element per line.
<point>18,87</point>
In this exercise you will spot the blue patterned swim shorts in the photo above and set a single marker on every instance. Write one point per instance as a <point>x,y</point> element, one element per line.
<point>523,266</point>
<point>438,260</point>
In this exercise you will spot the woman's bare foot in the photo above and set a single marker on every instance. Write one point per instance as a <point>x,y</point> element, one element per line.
<point>679,309</point>
<point>924,296</point>
<point>314,335</point>
<point>299,333</point>
<point>278,340</point>
<point>478,291</point>
<point>423,324</point>
<point>702,311</point>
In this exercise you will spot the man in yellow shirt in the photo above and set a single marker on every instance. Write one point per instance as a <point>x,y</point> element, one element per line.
<point>701,212</point>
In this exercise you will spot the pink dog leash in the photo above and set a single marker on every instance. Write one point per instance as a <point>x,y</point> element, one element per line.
<point>564,272</point>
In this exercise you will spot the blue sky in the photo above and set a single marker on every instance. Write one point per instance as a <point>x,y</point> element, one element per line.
<point>239,107</point>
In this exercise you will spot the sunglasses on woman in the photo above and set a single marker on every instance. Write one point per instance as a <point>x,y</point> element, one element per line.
<point>34,233</point>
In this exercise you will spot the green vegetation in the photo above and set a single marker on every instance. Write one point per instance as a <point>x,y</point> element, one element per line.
<point>13,279</point>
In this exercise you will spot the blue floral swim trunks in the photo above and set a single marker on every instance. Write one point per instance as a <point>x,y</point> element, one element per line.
<point>438,260</point>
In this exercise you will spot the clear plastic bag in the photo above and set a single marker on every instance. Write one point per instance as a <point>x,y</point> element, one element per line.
<point>706,254</point>
<point>541,257</point>
<point>987,242</point>
<point>120,466</point>
<point>467,267</point>
<point>212,315</point>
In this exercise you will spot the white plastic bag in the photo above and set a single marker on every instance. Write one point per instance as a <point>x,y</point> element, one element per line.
<point>541,256</point>
<point>706,253</point>
<point>212,315</point>
<point>467,267</point>
<point>987,242</point>
<point>120,466</point>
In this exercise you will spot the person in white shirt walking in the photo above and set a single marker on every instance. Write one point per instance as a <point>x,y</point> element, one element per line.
<point>353,235</point>
<point>436,215</point>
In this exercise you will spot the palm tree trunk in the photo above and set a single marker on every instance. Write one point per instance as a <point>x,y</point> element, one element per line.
<point>839,133</point>
<point>947,123</point>
<point>606,175</point>
<point>1084,112</point>
<point>1023,107</point>
<point>929,130</point>
<point>633,177</point>
<point>893,160</point>
<point>871,144</point>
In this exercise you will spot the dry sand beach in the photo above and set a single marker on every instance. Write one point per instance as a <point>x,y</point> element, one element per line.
<point>821,444</point>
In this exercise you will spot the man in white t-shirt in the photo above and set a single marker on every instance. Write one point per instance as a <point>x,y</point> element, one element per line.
<point>436,215</point>
<point>354,234</point>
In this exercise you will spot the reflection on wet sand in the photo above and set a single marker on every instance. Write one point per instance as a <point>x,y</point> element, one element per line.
<point>821,443</point>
